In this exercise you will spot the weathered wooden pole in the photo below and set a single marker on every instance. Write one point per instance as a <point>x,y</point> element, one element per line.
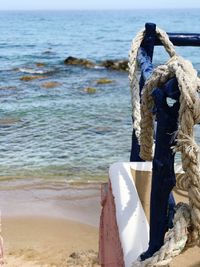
<point>163,176</point>
<point>148,45</point>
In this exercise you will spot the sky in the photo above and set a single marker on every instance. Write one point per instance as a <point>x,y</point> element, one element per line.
<point>95,4</point>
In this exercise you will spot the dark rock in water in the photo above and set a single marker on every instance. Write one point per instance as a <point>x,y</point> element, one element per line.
<point>121,65</point>
<point>79,62</point>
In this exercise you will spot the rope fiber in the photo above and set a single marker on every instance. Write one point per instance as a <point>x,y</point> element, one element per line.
<point>186,230</point>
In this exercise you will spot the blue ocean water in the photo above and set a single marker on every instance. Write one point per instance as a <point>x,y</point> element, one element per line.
<point>63,132</point>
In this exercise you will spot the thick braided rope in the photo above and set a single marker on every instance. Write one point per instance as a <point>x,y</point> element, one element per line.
<point>134,81</point>
<point>187,78</point>
<point>159,77</point>
<point>181,182</point>
<point>133,73</point>
<point>175,240</point>
<point>189,115</point>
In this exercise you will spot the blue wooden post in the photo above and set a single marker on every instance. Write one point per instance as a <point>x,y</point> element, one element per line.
<point>148,45</point>
<point>182,39</point>
<point>163,176</point>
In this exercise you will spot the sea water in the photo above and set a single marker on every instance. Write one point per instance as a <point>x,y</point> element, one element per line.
<point>64,133</point>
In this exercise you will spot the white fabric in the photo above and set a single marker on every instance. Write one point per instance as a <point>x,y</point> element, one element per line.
<point>131,220</point>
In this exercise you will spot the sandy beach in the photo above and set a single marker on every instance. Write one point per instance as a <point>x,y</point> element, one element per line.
<point>56,224</point>
<point>40,241</point>
<point>50,225</point>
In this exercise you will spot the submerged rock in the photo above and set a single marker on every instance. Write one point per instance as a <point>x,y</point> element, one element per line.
<point>8,88</point>
<point>15,69</point>
<point>104,81</point>
<point>30,78</point>
<point>40,64</point>
<point>90,90</point>
<point>49,51</point>
<point>79,62</point>
<point>102,130</point>
<point>8,122</point>
<point>121,65</point>
<point>50,85</point>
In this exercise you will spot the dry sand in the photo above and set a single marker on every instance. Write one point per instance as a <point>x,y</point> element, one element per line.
<point>37,241</point>
<point>50,224</point>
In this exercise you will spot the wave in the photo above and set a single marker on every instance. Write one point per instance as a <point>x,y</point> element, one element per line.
<point>35,71</point>
<point>99,67</point>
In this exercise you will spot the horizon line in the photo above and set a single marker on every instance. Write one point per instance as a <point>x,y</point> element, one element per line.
<point>103,9</point>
